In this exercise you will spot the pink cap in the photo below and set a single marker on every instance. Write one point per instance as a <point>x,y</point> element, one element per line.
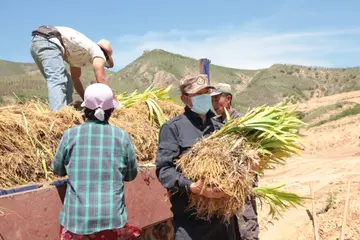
<point>99,95</point>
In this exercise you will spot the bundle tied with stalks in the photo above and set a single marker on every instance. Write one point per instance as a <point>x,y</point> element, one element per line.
<point>30,133</point>
<point>266,135</point>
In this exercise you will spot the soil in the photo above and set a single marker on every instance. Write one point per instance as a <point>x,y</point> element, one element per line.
<point>323,101</point>
<point>331,158</point>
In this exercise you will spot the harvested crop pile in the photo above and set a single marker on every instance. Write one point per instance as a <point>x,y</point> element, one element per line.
<point>30,133</point>
<point>135,121</point>
<point>225,160</point>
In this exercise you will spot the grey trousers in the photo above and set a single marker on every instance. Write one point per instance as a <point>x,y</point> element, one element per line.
<point>248,222</point>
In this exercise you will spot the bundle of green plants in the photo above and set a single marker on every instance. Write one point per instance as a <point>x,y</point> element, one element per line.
<point>265,137</point>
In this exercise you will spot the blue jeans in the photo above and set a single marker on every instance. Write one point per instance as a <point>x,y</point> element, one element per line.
<point>50,61</point>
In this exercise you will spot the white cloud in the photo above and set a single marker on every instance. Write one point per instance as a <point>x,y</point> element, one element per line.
<point>239,48</point>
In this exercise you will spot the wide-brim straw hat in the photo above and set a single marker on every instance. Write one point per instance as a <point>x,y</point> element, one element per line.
<point>106,46</point>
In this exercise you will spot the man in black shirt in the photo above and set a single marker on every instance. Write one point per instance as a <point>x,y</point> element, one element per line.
<point>221,99</point>
<point>177,136</point>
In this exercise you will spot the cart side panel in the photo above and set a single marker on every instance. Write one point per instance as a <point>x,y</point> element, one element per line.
<point>34,214</point>
<point>146,199</point>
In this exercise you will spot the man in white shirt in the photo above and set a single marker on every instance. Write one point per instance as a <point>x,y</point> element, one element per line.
<point>52,45</point>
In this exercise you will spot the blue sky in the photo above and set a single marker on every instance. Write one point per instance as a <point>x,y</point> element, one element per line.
<point>240,34</point>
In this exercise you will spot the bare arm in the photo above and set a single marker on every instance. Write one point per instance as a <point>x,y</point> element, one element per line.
<point>75,75</point>
<point>98,66</point>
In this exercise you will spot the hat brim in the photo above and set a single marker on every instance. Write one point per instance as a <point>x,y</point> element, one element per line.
<point>215,93</point>
<point>115,105</point>
<point>199,89</point>
<point>109,63</point>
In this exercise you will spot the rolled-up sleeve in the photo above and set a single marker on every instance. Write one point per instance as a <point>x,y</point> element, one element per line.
<point>130,159</point>
<point>59,160</point>
<point>168,152</point>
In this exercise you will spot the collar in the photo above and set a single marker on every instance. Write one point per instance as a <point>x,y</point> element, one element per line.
<point>96,121</point>
<point>195,117</point>
<point>233,113</point>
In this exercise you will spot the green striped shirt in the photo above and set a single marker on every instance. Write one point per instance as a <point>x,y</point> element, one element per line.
<point>97,158</point>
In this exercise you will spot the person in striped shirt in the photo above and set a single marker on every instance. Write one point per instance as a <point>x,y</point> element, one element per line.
<point>97,158</point>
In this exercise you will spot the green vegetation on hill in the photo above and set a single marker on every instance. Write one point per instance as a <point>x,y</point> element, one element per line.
<point>24,79</point>
<point>347,112</point>
<point>317,112</point>
<point>324,114</point>
<point>251,87</point>
<point>279,81</point>
<point>8,68</point>
<point>161,68</point>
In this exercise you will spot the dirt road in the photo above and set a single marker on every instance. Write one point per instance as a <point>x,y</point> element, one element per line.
<point>330,159</point>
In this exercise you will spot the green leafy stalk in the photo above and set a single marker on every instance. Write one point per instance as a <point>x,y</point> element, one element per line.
<point>150,96</point>
<point>272,130</point>
<point>278,200</point>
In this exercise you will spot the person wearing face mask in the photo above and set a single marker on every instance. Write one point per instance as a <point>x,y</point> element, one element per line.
<point>176,136</point>
<point>221,98</point>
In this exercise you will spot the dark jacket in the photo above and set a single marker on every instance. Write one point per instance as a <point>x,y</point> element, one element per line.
<point>176,136</point>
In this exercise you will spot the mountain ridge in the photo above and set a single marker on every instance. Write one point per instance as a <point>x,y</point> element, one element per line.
<point>161,68</point>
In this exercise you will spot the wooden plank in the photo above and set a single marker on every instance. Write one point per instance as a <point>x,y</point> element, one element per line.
<point>343,224</point>
<point>314,216</point>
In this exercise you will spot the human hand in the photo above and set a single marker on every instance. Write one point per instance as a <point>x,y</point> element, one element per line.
<point>213,192</point>
<point>255,166</point>
<point>208,192</point>
<point>255,160</point>
<point>196,187</point>
<point>77,105</point>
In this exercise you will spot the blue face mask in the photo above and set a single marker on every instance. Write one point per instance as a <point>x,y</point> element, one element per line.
<point>201,104</point>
